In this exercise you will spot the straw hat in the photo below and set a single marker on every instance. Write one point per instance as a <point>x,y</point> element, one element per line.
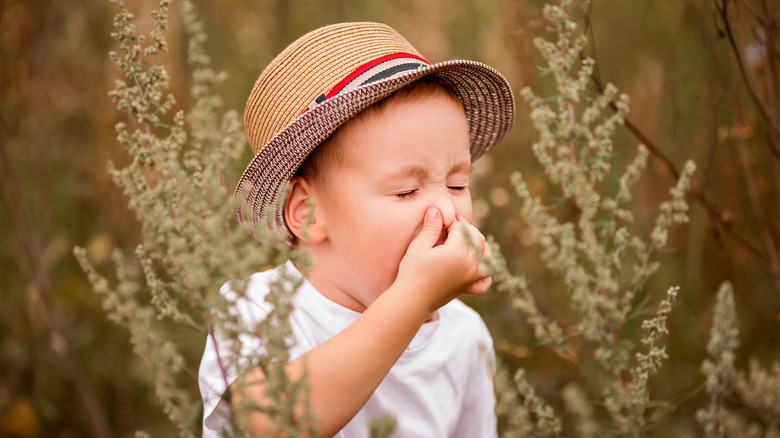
<point>328,76</point>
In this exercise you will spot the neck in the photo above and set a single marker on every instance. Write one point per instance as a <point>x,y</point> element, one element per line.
<point>321,275</point>
<point>334,293</point>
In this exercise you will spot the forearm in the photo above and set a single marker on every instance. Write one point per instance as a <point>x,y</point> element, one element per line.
<point>344,371</point>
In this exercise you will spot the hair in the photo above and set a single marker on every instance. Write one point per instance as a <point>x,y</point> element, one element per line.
<point>331,153</point>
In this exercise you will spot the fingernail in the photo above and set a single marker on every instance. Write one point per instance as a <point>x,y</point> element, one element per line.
<point>432,214</point>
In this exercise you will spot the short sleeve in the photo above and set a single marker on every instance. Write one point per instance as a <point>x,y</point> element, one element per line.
<point>219,367</point>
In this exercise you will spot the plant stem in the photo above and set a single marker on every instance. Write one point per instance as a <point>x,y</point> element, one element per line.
<point>723,218</point>
<point>766,114</point>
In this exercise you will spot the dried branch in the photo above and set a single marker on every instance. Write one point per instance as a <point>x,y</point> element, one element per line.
<point>758,211</point>
<point>722,217</point>
<point>766,113</point>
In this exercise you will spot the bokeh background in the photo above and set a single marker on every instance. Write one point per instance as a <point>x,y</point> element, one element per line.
<point>65,370</point>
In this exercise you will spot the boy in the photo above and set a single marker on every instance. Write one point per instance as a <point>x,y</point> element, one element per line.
<point>380,142</point>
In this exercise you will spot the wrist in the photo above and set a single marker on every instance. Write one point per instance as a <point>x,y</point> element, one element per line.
<point>418,297</point>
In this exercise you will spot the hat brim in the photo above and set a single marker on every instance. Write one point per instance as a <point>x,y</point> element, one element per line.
<point>485,94</point>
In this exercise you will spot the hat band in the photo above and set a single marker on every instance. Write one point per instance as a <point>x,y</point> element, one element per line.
<point>372,71</point>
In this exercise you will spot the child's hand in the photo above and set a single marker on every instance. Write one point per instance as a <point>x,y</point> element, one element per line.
<point>442,272</point>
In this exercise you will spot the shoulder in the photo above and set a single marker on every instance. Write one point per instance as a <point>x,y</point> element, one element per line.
<point>458,310</point>
<point>473,335</point>
<point>464,323</point>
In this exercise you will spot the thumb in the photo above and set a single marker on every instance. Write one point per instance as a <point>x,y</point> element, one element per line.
<point>431,229</point>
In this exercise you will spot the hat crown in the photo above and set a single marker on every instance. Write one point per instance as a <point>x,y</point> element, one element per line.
<point>311,66</point>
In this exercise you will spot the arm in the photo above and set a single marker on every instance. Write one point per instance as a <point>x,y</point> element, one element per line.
<point>344,371</point>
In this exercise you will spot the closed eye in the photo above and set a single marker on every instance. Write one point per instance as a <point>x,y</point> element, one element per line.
<point>405,195</point>
<point>457,188</point>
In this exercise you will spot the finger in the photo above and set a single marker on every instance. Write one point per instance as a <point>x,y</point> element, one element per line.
<point>479,287</point>
<point>474,234</point>
<point>487,253</point>
<point>455,232</point>
<point>431,229</point>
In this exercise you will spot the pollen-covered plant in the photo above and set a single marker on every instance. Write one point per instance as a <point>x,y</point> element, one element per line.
<point>190,244</point>
<point>758,390</point>
<point>603,261</point>
<point>719,369</point>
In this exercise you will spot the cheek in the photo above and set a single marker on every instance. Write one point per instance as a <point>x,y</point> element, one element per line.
<point>387,227</point>
<point>403,224</point>
<point>406,224</point>
<point>388,246</point>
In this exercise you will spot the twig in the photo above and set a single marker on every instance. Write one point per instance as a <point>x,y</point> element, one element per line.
<point>754,13</point>
<point>721,217</point>
<point>758,209</point>
<point>627,123</point>
<point>769,25</point>
<point>765,112</point>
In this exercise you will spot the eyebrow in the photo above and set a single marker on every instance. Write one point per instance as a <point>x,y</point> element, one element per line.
<point>422,172</point>
<point>409,171</point>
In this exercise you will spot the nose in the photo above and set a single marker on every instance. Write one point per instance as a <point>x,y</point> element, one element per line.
<point>444,202</point>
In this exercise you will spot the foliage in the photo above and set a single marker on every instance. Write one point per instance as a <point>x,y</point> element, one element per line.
<point>703,80</point>
<point>758,389</point>
<point>189,242</point>
<point>601,261</point>
<point>604,265</point>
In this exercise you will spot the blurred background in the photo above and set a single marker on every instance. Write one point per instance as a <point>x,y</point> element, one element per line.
<point>65,370</point>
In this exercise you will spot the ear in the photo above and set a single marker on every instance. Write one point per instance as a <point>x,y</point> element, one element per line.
<point>297,210</point>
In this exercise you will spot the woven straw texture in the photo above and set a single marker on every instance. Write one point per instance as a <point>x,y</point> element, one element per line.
<point>310,66</point>
<point>282,135</point>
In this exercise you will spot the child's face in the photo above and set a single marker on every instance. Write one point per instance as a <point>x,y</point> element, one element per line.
<point>411,155</point>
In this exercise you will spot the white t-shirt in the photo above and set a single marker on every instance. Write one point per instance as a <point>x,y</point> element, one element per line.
<point>441,386</point>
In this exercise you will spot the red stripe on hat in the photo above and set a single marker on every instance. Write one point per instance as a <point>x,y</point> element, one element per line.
<point>361,69</point>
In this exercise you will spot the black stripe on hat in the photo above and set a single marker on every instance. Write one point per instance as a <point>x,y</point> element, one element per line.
<point>391,71</point>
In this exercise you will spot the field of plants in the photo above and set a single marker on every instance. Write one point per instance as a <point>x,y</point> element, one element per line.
<point>635,204</point>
